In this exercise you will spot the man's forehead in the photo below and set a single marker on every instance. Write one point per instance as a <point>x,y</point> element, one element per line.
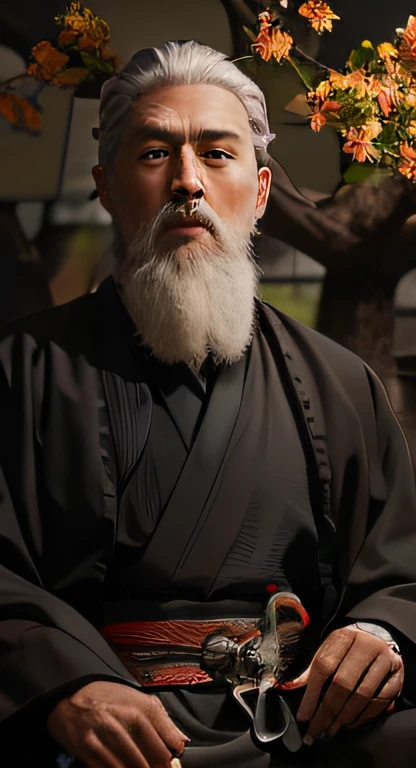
<point>179,134</point>
<point>189,118</point>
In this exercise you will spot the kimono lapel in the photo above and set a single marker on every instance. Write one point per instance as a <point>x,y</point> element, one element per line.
<point>186,509</point>
<point>181,401</point>
<point>304,394</point>
<point>184,408</point>
<point>226,506</point>
<point>120,390</point>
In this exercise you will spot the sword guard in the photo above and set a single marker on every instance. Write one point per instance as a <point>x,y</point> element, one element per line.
<point>272,719</point>
<point>282,630</point>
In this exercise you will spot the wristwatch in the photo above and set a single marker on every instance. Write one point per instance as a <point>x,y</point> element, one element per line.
<point>377,631</point>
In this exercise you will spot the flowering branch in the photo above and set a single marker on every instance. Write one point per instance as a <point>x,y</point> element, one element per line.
<point>80,57</point>
<point>274,43</point>
<point>375,102</point>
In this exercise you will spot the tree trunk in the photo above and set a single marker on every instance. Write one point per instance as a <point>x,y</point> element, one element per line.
<point>356,310</point>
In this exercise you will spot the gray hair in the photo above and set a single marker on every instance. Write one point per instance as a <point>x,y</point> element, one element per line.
<point>175,63</point>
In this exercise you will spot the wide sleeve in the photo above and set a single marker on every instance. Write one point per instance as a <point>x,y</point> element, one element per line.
<point>381,586</point>
<point>47,649</point>
<point>382,581</point>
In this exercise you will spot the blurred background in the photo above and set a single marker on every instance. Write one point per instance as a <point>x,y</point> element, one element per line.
<point>56,242</point>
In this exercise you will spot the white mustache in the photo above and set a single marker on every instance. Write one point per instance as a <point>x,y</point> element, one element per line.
<point>203,213</point>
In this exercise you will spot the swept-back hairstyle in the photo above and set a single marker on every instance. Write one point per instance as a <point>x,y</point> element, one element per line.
<point>175,63</point>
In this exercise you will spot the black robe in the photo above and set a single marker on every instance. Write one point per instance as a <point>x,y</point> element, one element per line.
<point>61,495</point>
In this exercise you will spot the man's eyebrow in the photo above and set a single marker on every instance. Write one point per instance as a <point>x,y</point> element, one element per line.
<point>177,138</point>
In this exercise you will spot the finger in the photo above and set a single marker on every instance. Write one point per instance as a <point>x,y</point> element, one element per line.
<point>385,699</point>
<point>119,742</point>
<point>391,687</point>
<point>374,709</point>
<point>341,691</point>
<point>174,739</point>
<point>323,667</point>
<point>97,755</point>
<point>358,700</point>
<point>153,747</point>
<point>336,727</point>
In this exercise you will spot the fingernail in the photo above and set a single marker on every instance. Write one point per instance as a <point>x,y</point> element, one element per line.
<point>308,741</point>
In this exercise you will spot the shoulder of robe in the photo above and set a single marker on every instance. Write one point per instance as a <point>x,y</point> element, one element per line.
<point>53,324</point>
<point>67,326</point>
<point>356,378</point>
<point>335,353</point>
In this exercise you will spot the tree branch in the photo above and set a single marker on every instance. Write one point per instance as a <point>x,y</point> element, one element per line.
<point>241,11</point>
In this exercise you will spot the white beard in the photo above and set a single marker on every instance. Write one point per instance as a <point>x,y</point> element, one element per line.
<point>197,297</point>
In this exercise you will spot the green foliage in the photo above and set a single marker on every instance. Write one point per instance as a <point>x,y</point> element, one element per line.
<point>360,172</point>
<point>355,112</point>
<point>362,56</point>
<point>387,139</point>
<point>299,300</point>
<point>95,65</point>
<point>250,34</point>
<point>307,71</point>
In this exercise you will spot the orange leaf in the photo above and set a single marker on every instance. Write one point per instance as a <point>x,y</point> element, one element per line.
<point>386,102</point>
<point>407,46</point>
<point>407,165</point>
<point>387,50</point>
<point>76,17</point>
<point>67,36</point>
<point>96,34</point>
<point>47,61</point>
<point>87,43</point>
<point>318,121</point>
<point>323,90</point>
<point>359,142</point>
<point>408,152</point>
<point>71,76</point>
<point>319,14</point>
<point>19,112</point>
<point>330,106</point>
<point>273,42</point>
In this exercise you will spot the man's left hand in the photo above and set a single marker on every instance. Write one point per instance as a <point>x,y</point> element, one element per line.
<point>362,675</point>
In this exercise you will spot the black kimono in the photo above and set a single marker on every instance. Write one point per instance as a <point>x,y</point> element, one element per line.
<point>135,490</point>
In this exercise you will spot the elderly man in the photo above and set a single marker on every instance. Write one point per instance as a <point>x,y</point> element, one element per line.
<point>177,456</point>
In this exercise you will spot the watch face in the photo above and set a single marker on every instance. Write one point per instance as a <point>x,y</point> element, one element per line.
<point>374,629</point>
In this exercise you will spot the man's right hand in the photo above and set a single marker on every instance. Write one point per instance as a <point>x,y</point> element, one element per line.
<point>110,725</point>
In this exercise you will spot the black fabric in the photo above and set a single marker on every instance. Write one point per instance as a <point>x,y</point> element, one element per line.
<point>58,519</point>
<point>167,553</point>
<point>264,536</point>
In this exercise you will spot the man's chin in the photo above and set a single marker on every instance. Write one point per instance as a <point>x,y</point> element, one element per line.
<point>184,245</point>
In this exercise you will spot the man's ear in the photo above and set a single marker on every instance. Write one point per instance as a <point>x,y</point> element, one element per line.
<point>100,181</point>
<point>265,181</point>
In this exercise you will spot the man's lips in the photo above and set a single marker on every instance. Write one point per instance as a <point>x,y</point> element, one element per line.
<point>187,225</point>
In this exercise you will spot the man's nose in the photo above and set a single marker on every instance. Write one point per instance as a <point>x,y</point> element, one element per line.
<point>187,184</point>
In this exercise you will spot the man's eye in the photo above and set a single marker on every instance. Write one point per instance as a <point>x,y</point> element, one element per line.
<point>154,154</point>
<point>217,154</point>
